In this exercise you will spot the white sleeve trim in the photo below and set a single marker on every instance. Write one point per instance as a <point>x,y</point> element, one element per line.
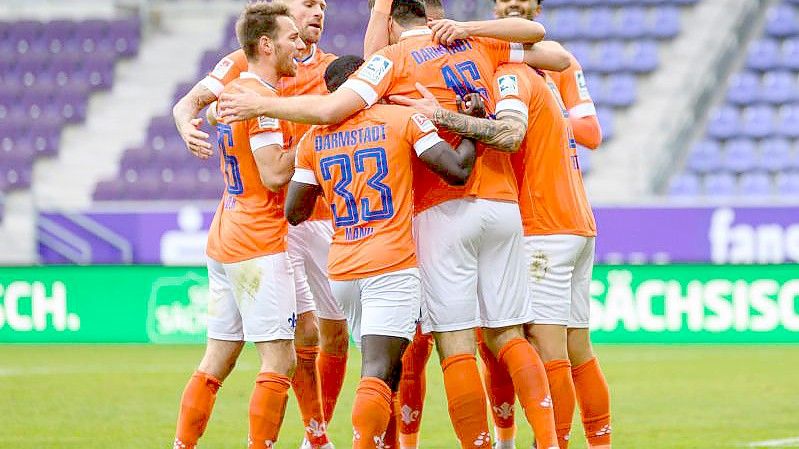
<point>213,84</point>
<point>266,139</point>
<point>583,110</point>
<point>426,142</point>
<point>365,91</point>
<point>304,176</point>
<point>516,52</point>
<point>513,104</point>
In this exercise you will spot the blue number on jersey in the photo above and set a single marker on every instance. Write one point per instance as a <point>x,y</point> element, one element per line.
<point>224,140</point>
<point>353,216</point>
<point>457,79</point>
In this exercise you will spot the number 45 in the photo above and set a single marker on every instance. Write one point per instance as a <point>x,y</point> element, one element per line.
<point>458,79</point>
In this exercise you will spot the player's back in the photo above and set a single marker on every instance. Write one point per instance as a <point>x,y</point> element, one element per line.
<point>363,166</point>
<point>552,197</point>
<point>466,66</point>
<point>249,221</point>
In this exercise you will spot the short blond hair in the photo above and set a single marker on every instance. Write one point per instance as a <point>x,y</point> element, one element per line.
<point>258,19</point>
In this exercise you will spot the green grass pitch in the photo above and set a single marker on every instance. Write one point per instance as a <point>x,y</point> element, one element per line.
<point>126,396</point>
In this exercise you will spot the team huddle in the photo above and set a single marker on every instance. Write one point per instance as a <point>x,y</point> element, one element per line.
<point>428,192</point>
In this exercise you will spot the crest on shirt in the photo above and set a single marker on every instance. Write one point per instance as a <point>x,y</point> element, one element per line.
<point>423,123</point>
<point>582,86</point>
<point>265,122</point>
<point>375,69</point>
<point>508,85</point>
<point>222,67</point>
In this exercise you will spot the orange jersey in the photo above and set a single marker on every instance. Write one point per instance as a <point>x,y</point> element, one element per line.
<point>364,167</point>
<point>552,198</point>
<point>249,221</point>
<point>464,67</point>
<point>574,90</point>
<point>310,79</point>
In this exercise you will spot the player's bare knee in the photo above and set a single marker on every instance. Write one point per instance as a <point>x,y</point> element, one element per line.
<point>579,346</point>
<point>220,358</point>
<point>382,358</point>
<point>334,336</point>
<point>453,343</point>
<point>307,331</point>
<point>550,341</point>
<point>496,338</point>
<point>277,357</point>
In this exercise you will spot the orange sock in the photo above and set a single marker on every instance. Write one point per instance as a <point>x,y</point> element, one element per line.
<point>309,395</point>
<point>391,438</point>
<point>267,408</point>
<point>501,397</point>
<point>467,401</point>
<point>195,409</point>
<point>530,383</point>
<point>371,412</point>
<point>412,388</point>
<point>562,388</point>
<point>593,396</point>
<point>332,369</point>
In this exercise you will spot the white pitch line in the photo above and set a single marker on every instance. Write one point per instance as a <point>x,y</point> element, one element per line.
<point>785,442</point>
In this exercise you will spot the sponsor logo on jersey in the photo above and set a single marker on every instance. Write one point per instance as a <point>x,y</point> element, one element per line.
<point>222,67</point>
<point>508,85</point>
<point>423,123</point>
<point>375,70</point>
<point>265,122</point>
<point>582,86</point>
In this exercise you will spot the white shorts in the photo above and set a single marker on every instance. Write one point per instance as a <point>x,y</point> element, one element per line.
<point>559,279</point>
<point>309,243</point>
<point>471,261</point>
<point>253,300</point>
<point>387,304</point>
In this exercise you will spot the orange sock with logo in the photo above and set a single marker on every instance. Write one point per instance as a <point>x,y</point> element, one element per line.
<point>532,389</point>
<point>593,396</point>
<point>501,397</point>
<point>267,408</point>
<point>332,369</point>
<point>412,389</point>
<point>371,413</point>
<point>195,409</point>
<point>563,398</point>
<point>467,401</point>
<point>309,395</point>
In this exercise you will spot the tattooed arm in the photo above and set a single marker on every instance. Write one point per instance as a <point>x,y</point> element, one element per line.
<point>506,133</point>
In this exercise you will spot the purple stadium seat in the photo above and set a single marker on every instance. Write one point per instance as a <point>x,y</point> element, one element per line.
<point>684,185</point>
<point>775,154</point>
<point>788,121</point>
<point>643,57</point>
<point>744,88</point>
<point>755,184</point>
<point>620,90</point>
<point>566,24</point>
<point>758,121</point>
<point>788,184</point>
<point>720,184</point>
<point>724,122</point>
<point>609,57</point>
<point>665,22</point>
<point>763,54</point>
<point>582,51</point>
<point>89,34</point>
<point>124,36</point>
<point>705,157</point>
<point>24,34</point>
<point>740,155</point>
<point>56,35</point>
<point>779,87</point>
<point>113,189</point>
<point>631,23</point>
<point>782,21</point>
<point>605,116</point>
<point>598,24</point>
<point>789,57</point>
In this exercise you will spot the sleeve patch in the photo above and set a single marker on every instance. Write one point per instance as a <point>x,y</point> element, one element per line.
<point>221,68</point>
<point>582,86</point>
<point>424,124</point>
<point>508,85</point>
<point>265,122</point>
<point>375,69</point>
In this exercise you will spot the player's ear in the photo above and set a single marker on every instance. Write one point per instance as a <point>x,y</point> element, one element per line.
<point>266,45</point>
<point>537,9</point>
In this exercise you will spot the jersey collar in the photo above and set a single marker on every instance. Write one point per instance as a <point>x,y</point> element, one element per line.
<point>308,59</point>
<point>416,32</point>
<point>252,76</point>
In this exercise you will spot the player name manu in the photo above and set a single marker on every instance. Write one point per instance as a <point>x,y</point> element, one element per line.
<point>350,138</point>
<point>434,52</point>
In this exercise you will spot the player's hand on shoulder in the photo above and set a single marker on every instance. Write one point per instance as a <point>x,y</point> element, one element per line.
<point>472,105</point>
<point>446,31</point>
<point>427,105</point>
<point>195,139</point>
<point>239,103</point>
